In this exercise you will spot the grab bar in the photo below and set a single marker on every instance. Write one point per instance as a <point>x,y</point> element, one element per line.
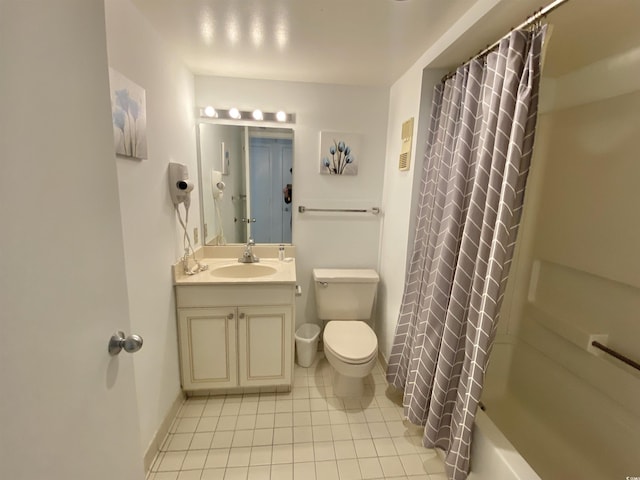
<point>615,354</point>
<point>374,210</point>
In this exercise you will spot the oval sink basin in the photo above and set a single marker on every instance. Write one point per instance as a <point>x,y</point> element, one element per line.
<point>244,270</point>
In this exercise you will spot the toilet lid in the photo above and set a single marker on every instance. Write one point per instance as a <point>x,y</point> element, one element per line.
<point>351,341</point>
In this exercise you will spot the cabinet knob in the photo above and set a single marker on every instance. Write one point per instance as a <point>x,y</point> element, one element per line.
<point>241,315</point>
<point>230,316</point>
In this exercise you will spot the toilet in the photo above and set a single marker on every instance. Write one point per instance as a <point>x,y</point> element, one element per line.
<point>344,298</point>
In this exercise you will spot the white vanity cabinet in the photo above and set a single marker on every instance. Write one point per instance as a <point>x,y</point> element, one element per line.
<point>208,353</point>
<point>235,336</point>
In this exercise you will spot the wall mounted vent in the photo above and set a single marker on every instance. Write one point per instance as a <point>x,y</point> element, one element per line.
<point>405,152</point>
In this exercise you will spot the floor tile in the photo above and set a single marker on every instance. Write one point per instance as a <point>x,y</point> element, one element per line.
<point>207,424</point>
<point>179,441</point>
<point>305,433</point>
<point>282,436</point>
<point>217,458</point>
<point>187,425</point>
<point>412,464</point>
<point>195,460</point>
<point>364,448</point>
<point>323,451</point>
<point>261,455</point>
<point>190,475</point>
<point>261,472</point>
<point>303,452</point>
<point>222,439</point>
<point>349,469</point>
<point>370,468</point>
<point>384,447</point>
<point>391,466</point>
<point>236,473</point>
<point>438,476</point>
<point>282,454</point>
<point>327,470</point>
<point>239,457</point>
<point>262,437</point>
<point>166,476</point>
<point>283,419</point>
<point>201,441</point>
<point>212,474</point>
<point>344,449</point>
<point>171,461</point>
<point>301,419</point>
<point>265,420</point>
<point>302,434</point>
<point>282,472</point>
<point>432,465</point>
<point>242,438</point>
<point>226,423</point>
<point>306,471</point>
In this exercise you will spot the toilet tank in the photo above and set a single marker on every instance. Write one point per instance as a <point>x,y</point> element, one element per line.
<point>345,294</point>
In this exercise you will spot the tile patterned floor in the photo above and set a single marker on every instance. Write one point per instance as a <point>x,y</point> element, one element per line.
<point>305,434</point>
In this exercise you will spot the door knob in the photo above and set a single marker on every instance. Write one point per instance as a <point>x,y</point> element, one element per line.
<point>130,344</point>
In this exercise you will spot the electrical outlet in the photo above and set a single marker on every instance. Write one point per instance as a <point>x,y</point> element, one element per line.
<point>195,235</point>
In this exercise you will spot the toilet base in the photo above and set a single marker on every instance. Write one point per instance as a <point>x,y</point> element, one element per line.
<point>344,386</point>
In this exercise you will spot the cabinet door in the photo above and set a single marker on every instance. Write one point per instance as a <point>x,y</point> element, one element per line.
<point>265,345</point>
<point>208,355</point>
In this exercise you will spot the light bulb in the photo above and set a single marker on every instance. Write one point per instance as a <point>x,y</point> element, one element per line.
<point>281,116</point>
<point>234,113</point>
<point>210,112</point>
<point>257,115</point>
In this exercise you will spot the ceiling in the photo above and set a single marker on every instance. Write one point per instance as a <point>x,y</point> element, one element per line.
<point>371,42</point>
<point>353,42</point>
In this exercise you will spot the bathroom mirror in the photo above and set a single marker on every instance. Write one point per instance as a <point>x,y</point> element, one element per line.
<point>245,177</point>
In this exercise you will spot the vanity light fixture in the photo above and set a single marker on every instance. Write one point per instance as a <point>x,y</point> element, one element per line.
<point>256,115</point>
<point>210,112</point>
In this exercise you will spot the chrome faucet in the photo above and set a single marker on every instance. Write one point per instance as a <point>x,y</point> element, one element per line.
<point>248,256</point>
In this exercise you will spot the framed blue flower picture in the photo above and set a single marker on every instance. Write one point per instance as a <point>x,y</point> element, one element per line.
<point>129,115</point>
<point>339,153</point>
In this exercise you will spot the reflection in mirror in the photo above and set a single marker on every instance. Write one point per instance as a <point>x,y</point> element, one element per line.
<point>245,183</point>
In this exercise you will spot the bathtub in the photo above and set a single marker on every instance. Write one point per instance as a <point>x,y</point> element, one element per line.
<point>541,421</point>
<point>493,457</point>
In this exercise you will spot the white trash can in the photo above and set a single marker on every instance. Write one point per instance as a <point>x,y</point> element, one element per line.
<point>307,336</point>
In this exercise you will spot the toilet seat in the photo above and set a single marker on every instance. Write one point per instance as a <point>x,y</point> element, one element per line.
<point>352,342</point>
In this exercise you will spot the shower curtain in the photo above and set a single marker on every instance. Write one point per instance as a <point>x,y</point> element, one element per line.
<point>477,159</point>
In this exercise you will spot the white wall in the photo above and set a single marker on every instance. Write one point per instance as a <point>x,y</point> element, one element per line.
<point>152,237</point>
<point>342,240</point>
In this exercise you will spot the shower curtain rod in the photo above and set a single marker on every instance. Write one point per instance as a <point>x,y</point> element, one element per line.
<point>536,16</point>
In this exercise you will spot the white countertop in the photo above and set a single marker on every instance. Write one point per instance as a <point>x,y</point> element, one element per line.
<point>285,272</point>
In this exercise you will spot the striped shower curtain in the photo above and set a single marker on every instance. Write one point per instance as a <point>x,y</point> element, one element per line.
<point>479,147</point>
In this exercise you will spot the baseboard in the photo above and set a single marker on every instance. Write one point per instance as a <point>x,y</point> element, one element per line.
<point>383,361</point>
<point>161,433</point>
